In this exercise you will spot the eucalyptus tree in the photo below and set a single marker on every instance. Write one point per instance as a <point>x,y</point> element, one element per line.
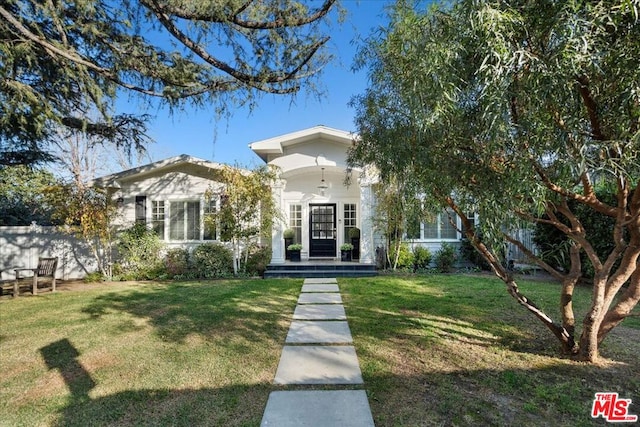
<point>60,61</point>
<point>513,109</point>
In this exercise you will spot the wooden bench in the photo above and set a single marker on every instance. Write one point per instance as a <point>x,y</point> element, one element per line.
<point>45,271</point>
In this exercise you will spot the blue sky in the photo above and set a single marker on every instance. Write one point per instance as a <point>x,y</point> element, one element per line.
<point>197,133</point>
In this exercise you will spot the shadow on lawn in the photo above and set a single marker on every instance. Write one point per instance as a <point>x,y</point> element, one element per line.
<point>187,407</point>
<point>255,311</point>
<point>228,406</point>
<point>465,398</point>
<point>180,309</point>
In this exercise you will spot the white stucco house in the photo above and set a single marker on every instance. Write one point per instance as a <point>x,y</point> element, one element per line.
<point>169,196</point>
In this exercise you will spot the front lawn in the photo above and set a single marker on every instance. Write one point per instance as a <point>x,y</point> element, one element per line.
<point>458,350</point>
<point>434,350</point>
<point>193,353</point>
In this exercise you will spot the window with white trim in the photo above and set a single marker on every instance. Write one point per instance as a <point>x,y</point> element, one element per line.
<point>350,219</point>
<point>157,217</point>
<point>184,220</point>
<point>295,222</point>
<point>440,227</point>
<point>209,222</point>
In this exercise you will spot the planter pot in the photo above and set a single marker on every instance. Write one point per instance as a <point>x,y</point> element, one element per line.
<point>345,255</point>
<point>287,252</point>
<point>294,256</point>
<point>355,241</point>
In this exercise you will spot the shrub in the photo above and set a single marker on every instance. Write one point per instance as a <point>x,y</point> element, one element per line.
<point>421,258</point>
<point>139,251</point>
<point>405,257</point>
<point>295,247</point>
<point>176,262</point>
<point>468,252</point>
<point>94,277</point>
<point>354,233</point>
<point>445,258</point>
<point>289,233</point>
<point>259,258</point>
<point>212,260</point>
<point>346,247</point>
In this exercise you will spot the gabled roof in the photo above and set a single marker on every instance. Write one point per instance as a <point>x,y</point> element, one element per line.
<point>113,180</point>
<point>276,144</point>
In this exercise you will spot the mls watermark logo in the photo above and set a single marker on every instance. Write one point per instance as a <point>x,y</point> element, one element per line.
<point>613,409</point>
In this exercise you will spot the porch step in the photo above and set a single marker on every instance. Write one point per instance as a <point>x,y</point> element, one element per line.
<point>316,270</point>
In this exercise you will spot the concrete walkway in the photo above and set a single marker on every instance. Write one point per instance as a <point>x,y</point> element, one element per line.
<point>317,351</point>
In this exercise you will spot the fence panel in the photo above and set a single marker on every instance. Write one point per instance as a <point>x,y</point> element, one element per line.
<point>21,247</point>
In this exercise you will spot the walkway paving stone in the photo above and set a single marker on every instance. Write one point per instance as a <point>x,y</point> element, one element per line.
<point>319,408</point>
<point>319,298</point>
<point>319,318</point>
<point>318,280</point>
<point>319,312</point>
<point>318,365</point>
<point>319,332</point>
<point>326,287</point>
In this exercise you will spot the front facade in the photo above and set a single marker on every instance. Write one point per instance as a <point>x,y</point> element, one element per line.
<point>312,194</point>
<point>320,198</point>
<point>169,196</point>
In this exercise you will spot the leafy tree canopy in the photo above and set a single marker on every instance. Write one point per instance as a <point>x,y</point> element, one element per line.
<point>513,109</point>
<point>24,196</point>
<point>61,61</point>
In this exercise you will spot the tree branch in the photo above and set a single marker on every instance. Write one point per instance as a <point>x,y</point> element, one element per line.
<point>251,25</point>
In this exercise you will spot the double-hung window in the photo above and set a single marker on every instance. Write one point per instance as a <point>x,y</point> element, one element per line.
<point>157,217</point>
<point>441,227</point>
<point>209,220</point>
<point>350,219</point>
<point>184,220</point>
<point>295,222</point>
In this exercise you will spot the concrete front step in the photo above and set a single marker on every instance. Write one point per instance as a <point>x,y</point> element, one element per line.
<point>269,274</point>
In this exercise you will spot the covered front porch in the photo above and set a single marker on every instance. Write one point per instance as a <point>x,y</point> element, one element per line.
<point>322,199</point>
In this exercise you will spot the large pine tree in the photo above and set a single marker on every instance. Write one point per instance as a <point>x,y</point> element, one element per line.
<point>62,62</point>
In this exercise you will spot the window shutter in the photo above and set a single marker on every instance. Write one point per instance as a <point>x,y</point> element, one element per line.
<point>141,209</point>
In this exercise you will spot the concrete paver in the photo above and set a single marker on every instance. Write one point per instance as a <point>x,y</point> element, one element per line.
<point>318,408</point>
<point>319,312</point>
<point>319,318</point>
<point>316,280</point>
<point>326,287</point>
<point>319,298</point>
<point>318,365</point>
<point>319,332</point>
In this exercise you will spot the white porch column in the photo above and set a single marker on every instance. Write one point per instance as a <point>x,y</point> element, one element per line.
<point>367,250</point>
<point>277,239</point>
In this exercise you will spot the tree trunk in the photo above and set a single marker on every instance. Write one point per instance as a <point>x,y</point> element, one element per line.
<point>566,300</point>
<point>591,323</point>
<point>623,307</point>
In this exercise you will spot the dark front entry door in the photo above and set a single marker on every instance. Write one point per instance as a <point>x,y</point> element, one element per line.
<point>322,230</point>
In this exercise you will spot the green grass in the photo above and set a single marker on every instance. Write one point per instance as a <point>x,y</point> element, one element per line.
<point>434,350</point>
<point>458,350</point>
<point>193,353</point>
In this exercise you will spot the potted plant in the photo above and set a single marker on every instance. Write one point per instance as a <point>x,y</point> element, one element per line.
<point>294,251</point>
<point>354,235</point>
<point>289,234</point>
<point>345,251</point>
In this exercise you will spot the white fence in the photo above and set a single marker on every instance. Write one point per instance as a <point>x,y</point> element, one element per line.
<point>21,247</point>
